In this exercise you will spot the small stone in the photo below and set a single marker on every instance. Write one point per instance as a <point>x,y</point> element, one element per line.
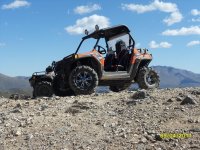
<point>29,121</point>
<point>195,92</point>
<point>16,110</point>
<point>105,125</point>
<point>128,122</point>
<point>43,107</point>
<point>150,138</point>
<point>134,140</point>
<point>188,100</point>
<point>141,94</point>
<point>112,113</point>
<point>38,113</point>
<point>1,121</point>
<point>107,140</point>
<point>45,98</point>
<point>54,114</point>
<point>113,125</point>
<point>157,137</point>
<point>143,140</point>
<point>57,97</point>
<point>17,132</point>
<point>123,135</point>
<point>190,121</point>
<point>18,106</point>
<point>7,124</point>
<point>195,130</point>
<point>179,99</point>
<point>170,100</point>
<point>29,136</point>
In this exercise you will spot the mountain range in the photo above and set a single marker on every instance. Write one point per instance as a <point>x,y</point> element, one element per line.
<point>170,78</point>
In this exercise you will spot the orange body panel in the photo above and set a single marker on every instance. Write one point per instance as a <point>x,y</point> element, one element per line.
<point>138,55</point>
<point>93,53</point>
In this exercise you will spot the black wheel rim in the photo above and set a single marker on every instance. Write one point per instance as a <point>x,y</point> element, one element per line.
<point>83,80</point>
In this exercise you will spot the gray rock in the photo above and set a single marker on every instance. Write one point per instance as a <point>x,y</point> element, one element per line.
<point>190,120</point>
<point>195,92</point>
<point>195,130</point>
<point>1,121</point>
<point>157,137</point>
<point>43,107</point>
<point>17,132</point>
<point>29,136</point>
<point>179,99</point>
<point>143,140</point>
<point>141,94</point>
<point>16,110</point>
<point>170,100</point>
<point>188,100</point>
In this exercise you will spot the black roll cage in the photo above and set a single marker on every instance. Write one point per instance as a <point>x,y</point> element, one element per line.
<point>107,33</point>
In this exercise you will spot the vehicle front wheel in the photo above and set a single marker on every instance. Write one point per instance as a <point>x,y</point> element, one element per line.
<point>148,78</point>
<point>83,80</point>
<point>43,88</point>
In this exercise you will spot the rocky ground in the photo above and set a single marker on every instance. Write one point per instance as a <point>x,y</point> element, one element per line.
<point>106,121</point>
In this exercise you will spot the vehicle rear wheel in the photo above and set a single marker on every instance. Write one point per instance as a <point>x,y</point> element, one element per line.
<point>43,88</point>
<point>148,78</point>
<point>59,88</point>
<point>83,80</point>
<point>119,88</point>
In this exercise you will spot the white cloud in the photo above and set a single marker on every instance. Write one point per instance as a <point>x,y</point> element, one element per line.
<point>16,4</point>
<point>153,44</point>
<point>195,20</point>
<point>193,30</point>
<point>2,44</point>
<point>88,23</point>
<point>138,8</point>
<point>175,15</point>
<point>173,18</point>
<point>87,8</point>
<point>192,43</point>
<point>195,12</point>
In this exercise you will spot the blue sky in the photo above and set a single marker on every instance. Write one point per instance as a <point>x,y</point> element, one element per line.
<point>33,33</point>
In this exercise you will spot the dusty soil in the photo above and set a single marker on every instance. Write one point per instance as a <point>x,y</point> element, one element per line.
<point>106,121</point>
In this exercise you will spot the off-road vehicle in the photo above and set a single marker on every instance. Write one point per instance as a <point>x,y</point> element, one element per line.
<point>112,61</point>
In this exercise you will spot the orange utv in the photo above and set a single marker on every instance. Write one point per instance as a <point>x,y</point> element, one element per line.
<point>113,61</point>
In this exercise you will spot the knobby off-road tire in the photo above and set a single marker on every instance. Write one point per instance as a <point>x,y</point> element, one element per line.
<point>119,88</point>
<point>58,91</point>
<point>43,88</point>
<point>83,80</point>
<point>148,78</point>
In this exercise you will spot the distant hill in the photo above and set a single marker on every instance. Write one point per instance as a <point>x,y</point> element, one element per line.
<point>170,77</point>
<point>173,77</point>
<point>9,85</point>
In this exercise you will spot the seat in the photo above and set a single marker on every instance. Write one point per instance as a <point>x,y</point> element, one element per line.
<point>110,62</point>
<point>123,55</point>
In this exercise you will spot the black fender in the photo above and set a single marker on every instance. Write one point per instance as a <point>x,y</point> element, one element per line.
<point>139,63</point>
<point>89,61</point>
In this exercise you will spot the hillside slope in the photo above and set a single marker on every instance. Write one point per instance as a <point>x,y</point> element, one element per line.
<point>112,121</point>
<point>9,85</point>
<point>173,77</point>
